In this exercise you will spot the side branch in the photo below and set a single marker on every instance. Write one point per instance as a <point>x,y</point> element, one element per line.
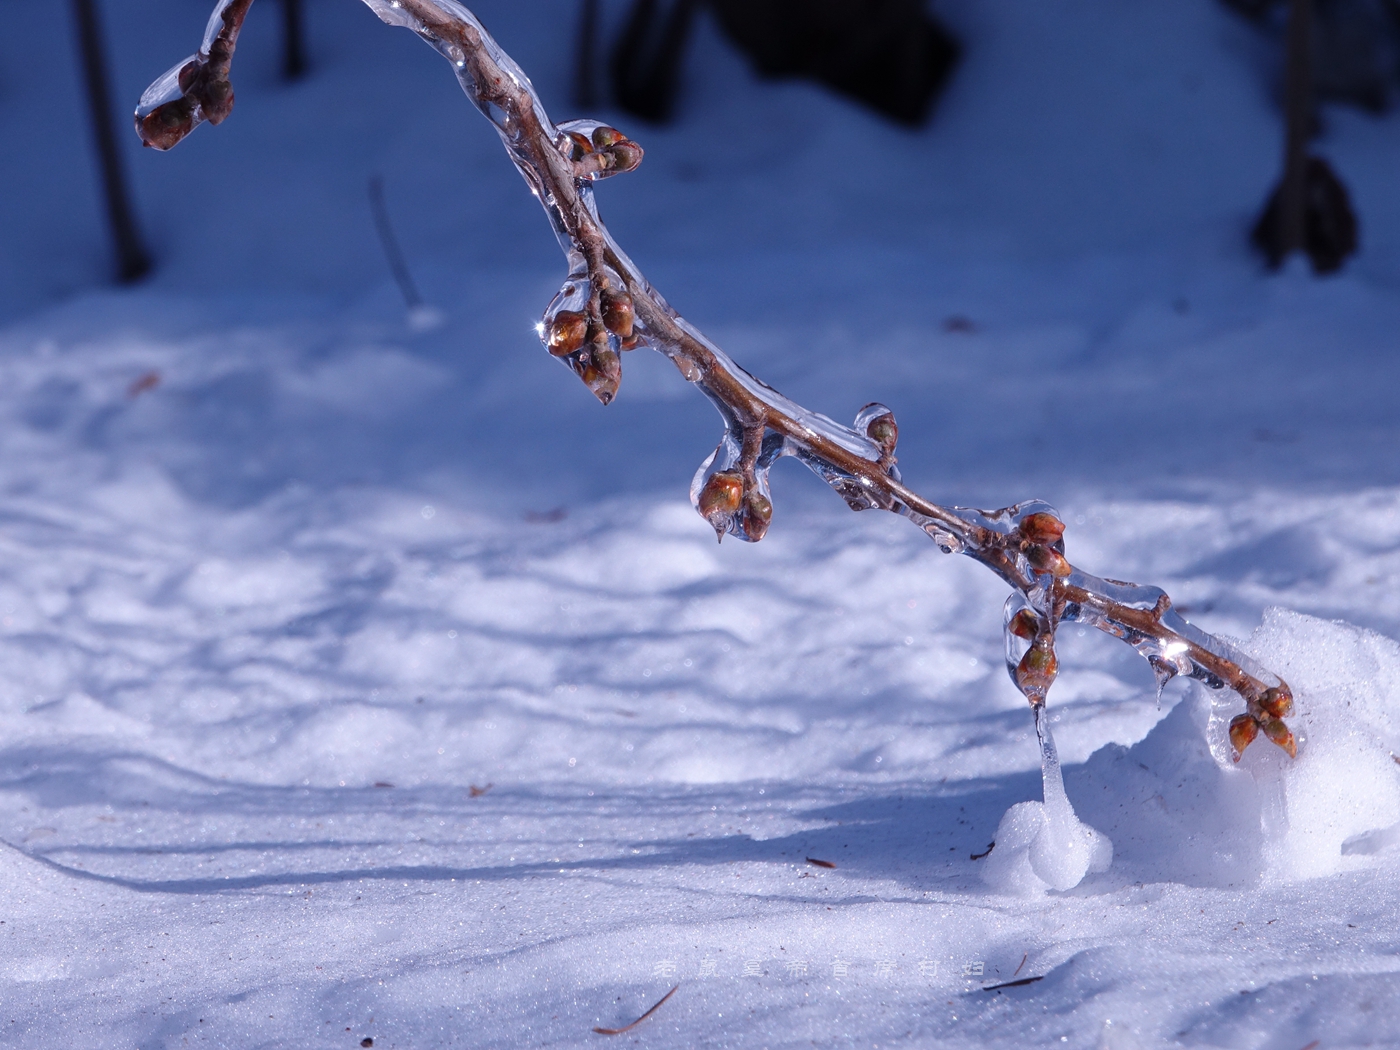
<point>606,308</point>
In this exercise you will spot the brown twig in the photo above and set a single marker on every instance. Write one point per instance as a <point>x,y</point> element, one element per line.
<point>619,1031</point>
<point>1012,984</point>
<point>607,307</point>
<point>820,863</point>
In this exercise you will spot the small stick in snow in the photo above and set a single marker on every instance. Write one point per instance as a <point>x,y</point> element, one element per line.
<point>478,792</point>
<point>1021,984</point>
<point>421,316</point>
<point>820,863</point>
<point>142,383</point>
<point>628,1028</point>
<point>1023,963</point>
<point>978,856</point>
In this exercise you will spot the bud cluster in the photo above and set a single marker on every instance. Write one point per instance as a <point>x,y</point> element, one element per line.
<point>1034,669</point>
<point>1266,715</point>
<point>588,337</point>
<point>598,150</point>
<point>730,502</point>
<point>1041,540</point>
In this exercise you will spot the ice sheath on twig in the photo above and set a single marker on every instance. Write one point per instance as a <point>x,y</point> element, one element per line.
<point>606,307</point>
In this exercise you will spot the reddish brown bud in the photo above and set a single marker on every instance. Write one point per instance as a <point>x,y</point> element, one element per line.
<point>1047,559</point>
<point>720,498</point>
<point>1025,624</point>
<point>1281,735</point>
<point>1036,671</point>
<point>581,145</point>
<point>627,156</point>
<point>604,136</point>
<point>884,431</point>
<point>567,333</point>
<point>1042,528</point>
<point>1243,730</point>
<point>167,124</point>
<point>601,372</point>
<point>1277,701</point>
<point>758,513</point>
<point>618,313</point>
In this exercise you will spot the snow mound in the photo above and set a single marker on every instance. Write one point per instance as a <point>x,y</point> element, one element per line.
<point>1338,804</point>
<point>1179,809</point>
<point>1043,845</point>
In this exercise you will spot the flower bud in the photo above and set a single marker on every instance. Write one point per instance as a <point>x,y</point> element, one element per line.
<point>1277,701</point>
<point>758,513</point>
<point>602,373</point>
<point>1044,529</point>
<point>567,333</point>
<point>1243,730</point>
<point>720,498</point>
<point>604,136</point>
<point>627,156</point>
<point>1047,559</point>
<point>1281,735</point>
<point>582,145</point>
<point>1024,624</point>
<point>1036,671</point>
<point>884,431</point>
<point>619,313</point>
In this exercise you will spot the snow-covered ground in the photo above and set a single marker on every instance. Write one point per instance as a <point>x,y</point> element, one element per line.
<point>368,684</point>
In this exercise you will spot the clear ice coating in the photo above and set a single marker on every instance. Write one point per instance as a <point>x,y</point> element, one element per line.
<point>1166,658</point>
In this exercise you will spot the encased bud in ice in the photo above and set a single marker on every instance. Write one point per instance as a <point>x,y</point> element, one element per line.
<point>720,498</point>
<point>619,313</point>
<point>1042,528</point>
<point>627,156</point>
<point>1047,559</point>
<point>567,333</point>
<point>1243,730</point>
<point>1278,701</point>
<point>581,145</point>
<point>1037,670</point>
<point>1281,735</point>
<point>884,431</point>
<point>167,124</point>
<point>758,513</point>
<point>604,136</point>
<point>601,372</point>
<point>1024,624</point>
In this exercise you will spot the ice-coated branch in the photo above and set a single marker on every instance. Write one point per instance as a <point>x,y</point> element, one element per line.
<point>606,307</point>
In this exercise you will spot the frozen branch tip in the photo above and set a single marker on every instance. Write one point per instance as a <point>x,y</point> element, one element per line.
<point>606,308</point>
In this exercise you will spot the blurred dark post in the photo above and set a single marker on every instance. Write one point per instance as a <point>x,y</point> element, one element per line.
<point>132,261</point>
<point>293,40</point>
<point>585,75</point>
<point>1293,199</point>
<point>1310,210</point>
<point>646,63</point>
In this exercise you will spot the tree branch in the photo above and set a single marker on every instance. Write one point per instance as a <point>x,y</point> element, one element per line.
<point>607,307</point>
